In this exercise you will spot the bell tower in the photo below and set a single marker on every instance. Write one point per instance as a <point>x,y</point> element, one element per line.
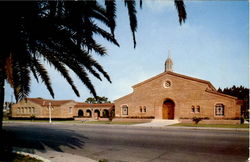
<point>169,63</point>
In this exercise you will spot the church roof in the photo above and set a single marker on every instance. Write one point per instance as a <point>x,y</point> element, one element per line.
<point>82,104</point>
<point>123,97</point>
<point>45,102</point>
<point>177,75</point>
<point>221,94</point>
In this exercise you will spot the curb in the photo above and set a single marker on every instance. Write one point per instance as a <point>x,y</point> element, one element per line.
<point>131,126</point>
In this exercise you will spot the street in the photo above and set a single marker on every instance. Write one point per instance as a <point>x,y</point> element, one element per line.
<point>128,143</point>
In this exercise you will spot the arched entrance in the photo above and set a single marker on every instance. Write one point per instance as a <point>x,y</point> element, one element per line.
<point>105,113</point>
<point>89,113</point>
<point>96,114</point>
<point>80,113</point>
<point>168,109</point>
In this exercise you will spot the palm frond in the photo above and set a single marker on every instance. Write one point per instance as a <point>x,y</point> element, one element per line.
<point>180,6</point>
<point>132,17</point>
<point>59,67</point>
<point>21,77</point>
<point>111,10</point>
<point>43,74</point>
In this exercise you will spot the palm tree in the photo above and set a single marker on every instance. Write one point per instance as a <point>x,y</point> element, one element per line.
<point>59,33</point>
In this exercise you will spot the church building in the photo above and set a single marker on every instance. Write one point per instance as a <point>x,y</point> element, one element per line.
<point>170,95</point>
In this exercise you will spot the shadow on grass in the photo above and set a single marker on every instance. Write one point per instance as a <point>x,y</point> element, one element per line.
<point>31,138</point>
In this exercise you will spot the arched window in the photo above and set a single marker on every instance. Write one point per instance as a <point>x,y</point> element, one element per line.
<point>18,110</point>
<point>33,110</point>
<point>140,109</point>
<point>124,110</point>
<point>193,109</point>
<point>198,109</point>
<point>70,110</point>
<point>144,108</point>
<point>219,110</point>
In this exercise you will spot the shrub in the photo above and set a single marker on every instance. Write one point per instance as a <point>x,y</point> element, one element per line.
<point>32,117</point>
<point>197,119</point>
<point>184,118</point>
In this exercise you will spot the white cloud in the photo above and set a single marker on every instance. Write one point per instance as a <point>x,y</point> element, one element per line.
<point>159,5</point>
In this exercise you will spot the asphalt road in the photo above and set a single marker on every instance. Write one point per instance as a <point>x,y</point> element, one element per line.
<point>127,143</point>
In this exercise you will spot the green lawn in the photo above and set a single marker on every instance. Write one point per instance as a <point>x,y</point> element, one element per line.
<point>29,120</point>
<point>115,122</point>
<point>13,157</point>
<point>79,121</point>
<point>213,125</point>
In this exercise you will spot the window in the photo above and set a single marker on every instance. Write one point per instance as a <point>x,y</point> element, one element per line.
<point>140,109</point>
<point>18,110</point>
<point>124,110</point>
<point>193,109</point>
<point>33,110</point>
<point>167,84</point>
<point>219,110</point>
<point>198,109</point>
<point>70,110</point>
<point>22,111</point>
<point>145,109</point>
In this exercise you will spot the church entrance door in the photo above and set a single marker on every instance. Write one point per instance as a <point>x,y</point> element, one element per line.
<point>168,109</point>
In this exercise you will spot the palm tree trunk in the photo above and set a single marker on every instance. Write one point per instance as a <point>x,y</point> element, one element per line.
<point>1,92</point>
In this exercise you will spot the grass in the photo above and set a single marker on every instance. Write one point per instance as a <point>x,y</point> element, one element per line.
<point>78,121</point>
<point>29,120</point>
<point>13,157</point>
<point>110,122</point>
<point>213,125</point>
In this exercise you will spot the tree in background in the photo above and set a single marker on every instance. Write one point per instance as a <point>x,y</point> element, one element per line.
<point>97,99</point>
<point>241,93</point>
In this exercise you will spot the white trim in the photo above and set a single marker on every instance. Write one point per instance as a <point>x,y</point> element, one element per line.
<point>223,110</point>
<point>164,85</point>
<point>122,109</point>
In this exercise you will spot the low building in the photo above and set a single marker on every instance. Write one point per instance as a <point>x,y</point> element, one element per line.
<point>60,109</point>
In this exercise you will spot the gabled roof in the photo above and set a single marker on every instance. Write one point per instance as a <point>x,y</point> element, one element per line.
<point>177,75</point>
<point>124,96</point>
<point>45,102</point>
<point>221,94</point>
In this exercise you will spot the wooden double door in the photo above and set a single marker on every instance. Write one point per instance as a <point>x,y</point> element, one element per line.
<point>168,109</point>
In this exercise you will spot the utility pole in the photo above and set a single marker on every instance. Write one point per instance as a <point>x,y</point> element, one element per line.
<point>49,112</point>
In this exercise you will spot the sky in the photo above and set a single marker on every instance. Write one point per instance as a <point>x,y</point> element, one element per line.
<point>211,45</point>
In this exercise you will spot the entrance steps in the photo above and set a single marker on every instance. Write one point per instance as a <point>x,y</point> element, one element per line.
<point>158,123</point>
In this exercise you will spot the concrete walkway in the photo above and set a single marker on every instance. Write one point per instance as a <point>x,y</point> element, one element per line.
<point>158,123</point>
<point>53,156</point>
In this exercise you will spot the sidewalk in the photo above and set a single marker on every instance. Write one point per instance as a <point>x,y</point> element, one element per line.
<point>54,156</point>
